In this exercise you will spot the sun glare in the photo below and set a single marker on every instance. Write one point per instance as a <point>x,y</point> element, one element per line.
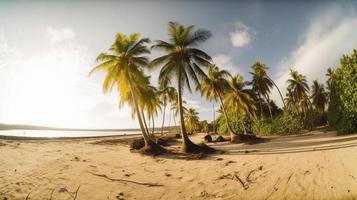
<point>44,90</point>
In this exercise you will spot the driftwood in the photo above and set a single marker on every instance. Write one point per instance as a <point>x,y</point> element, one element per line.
<point>127,181</point>
<point>72,194</point>
<point>244,185</point>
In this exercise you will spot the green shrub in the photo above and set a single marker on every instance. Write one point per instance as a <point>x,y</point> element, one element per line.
<point>262,127</point>
<point>239,123</point>
<point>285,123</point>
<point>342,111</point>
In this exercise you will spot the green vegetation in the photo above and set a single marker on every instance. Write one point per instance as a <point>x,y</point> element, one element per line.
<point>342,82</point>
<point>245,106</point>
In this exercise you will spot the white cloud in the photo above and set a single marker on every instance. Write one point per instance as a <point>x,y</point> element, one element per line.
<point>8,55</point>
<point>59,35</point>
<point>225,62</point>
<point>241,36</point>
<point>330,35</point>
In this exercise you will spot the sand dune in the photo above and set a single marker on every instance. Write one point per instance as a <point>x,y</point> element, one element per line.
<point>312,166</point>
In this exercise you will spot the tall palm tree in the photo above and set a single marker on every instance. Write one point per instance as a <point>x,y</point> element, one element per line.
<point>152,105</point>
<point>182,61</point>
<point>176,108</point>
<point>214,87</point>
<point>240,99</point>
<point>318,96</point>
<point>124,65</point>
<point>261,84</point>
<point>166,94</point>
<point>329,75</point>
<point>192,120</point>
<point>299,89</point>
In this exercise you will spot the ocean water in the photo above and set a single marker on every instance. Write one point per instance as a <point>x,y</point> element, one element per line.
<point>54,134</point>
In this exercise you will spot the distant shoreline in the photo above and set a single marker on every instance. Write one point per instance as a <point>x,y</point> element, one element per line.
<point>34,127</point>
<point>8,137</point>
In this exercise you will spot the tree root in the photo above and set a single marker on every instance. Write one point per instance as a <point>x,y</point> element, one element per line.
<point>127,181</point>
<point>153,149</point>
<point>194,148</point>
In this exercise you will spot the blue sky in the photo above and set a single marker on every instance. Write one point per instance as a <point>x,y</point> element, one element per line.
<point>47,49</point>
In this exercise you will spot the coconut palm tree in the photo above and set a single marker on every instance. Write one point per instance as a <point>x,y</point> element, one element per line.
<point>318,96</point>
<point>124,65</point>
<point>152,105</point>
<point>182,61</point>
<point>329,75</point>
<point>214,87</point>
<point>166,94</point>
<point>192,120</point>
<point>240,99</point>
<point>176,109</point>
<point>299,89</point>
<point>261,84</point>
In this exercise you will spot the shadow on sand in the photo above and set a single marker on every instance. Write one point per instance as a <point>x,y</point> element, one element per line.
<point>293,144</point>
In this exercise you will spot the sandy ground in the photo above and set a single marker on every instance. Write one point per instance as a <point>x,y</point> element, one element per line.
<point>313,166</point>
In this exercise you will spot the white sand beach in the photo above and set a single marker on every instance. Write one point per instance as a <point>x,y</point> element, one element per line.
<point>316,165</point>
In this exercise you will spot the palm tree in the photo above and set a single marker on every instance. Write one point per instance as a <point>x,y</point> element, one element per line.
<point>182,61</point>
<point>299,89</point>
<point>318,96</point>
<point>329,75</point>
<point>261,84</point>
<point>192,120</point>
<point>124,65</point>
<point>152,105</point>
<point>239,99</point>
<point>214,87</point>
<point>176,108</point>
<point>166,94</point>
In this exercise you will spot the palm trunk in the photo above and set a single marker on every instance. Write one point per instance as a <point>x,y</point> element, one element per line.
<point>146,126</point>
<point>153,125</point>
<point>174,116</point>
<point>163,120</point>
<point>269,108</point>
<point>214,117</point>
<point>261,106</point>
<point>281,96</point>
<point>187,144</point>
<point>169,118</point>
<point>230,129</point>
<point>147,140</point>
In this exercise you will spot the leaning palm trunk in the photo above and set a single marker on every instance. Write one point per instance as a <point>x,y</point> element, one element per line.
<point>144,120</point>
<point>261,106</point>
<point>153,126</point>
<point>281,96</point>
<point>147,140</point>
<point>163,120</point>
<point>230,129</point>
<point>269,108</point>
<point>214,117</point>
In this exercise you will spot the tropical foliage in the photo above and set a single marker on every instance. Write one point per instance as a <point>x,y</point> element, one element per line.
<point>342,111</point>
<point>245,107</point>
